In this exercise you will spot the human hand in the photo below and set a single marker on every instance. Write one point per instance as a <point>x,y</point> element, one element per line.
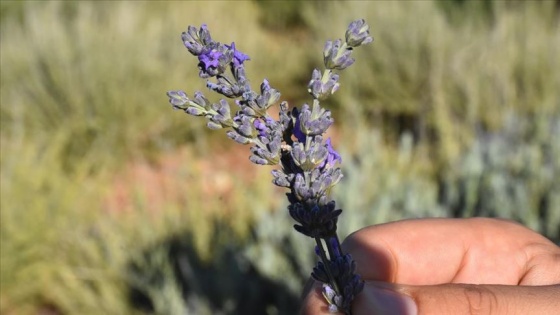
<point>451,266</point>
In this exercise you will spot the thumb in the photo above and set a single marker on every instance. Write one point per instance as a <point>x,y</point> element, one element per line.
<point>384,298</point>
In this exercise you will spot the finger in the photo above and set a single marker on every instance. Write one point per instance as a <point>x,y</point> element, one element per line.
<point>313,301</point>
<point>434,251</point>
<point>486,299</point>
<point>462,299</point>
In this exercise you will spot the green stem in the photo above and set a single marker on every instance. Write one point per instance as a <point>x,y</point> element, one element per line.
<point>326,262</point>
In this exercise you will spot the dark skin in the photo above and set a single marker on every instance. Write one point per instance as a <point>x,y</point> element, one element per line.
<point>451,266</point>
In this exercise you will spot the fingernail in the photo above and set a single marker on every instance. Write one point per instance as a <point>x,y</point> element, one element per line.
<point>381,299</point>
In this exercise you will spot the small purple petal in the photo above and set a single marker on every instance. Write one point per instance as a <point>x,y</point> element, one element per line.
<point>265,86</point>
<point>300,136</point>
<point>260,126</point>
<point>332,157</point>
<point>210,59</point>
<point>334,245</point>
<point>238,57</point>
<point>317,251</point>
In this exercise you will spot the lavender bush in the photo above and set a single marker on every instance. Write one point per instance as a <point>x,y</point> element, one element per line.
<point>295,141</point>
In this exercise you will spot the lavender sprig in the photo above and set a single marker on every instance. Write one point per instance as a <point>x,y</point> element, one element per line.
<point>308,163</point>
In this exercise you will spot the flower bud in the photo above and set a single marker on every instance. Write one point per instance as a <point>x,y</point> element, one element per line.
<point>357,34</point>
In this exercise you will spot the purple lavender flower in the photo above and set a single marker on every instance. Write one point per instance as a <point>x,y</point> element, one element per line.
<point>282,179</point>
<point>348,284</point>
<point>196,40</point>
<point>337,56</point>
<point>235,136</point>
<point>315,221</point>
<point>227,88</point>
<point>256,105</point>
<point>332,156</point>
<point>333,241</point>
<point>295,141</point>
<point>268,96</point>
<point>313,186</point>
<point>210,59</point>
<point>221,114</point>
<point>310,158</point>
<point>330,295</point>
<point>300,136</point>
<point>238,57</point>
<point>266,151</point>
<point>312,122</point>
<point>214,60</point>
<point>261,125</point>
<point>322,87</point>
<point>178,99</point>
<point>244,126</point>
<point>358,34</point>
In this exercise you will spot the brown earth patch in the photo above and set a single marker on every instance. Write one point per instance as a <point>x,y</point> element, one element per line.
<point>165,181</point>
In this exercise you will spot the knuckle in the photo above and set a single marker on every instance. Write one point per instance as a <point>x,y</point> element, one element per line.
<point>480,300</point>
<point>543,267</point>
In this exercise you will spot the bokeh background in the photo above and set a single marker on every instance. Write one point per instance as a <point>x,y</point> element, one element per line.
<point>113,203</point>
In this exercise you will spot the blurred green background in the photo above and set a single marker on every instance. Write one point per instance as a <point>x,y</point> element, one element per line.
<point>112,203</point>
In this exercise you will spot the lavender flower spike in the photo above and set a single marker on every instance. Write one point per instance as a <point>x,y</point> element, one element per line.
<point>308,164</point>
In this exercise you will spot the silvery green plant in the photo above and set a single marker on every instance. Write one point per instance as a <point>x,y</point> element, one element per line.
<point>308,162</point>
